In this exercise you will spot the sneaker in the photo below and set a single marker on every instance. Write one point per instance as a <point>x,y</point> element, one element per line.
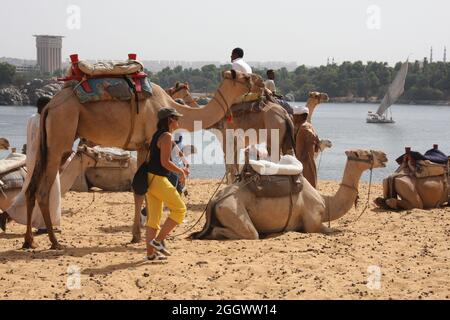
<point>159,247</point>
<point>156,257</point>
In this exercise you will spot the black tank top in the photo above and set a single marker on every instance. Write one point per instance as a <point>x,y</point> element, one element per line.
<point>155,165</point>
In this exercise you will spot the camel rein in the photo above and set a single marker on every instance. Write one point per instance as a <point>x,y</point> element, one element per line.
<point>204,211</point>
<point>227,108</point>
<point>371,162</point>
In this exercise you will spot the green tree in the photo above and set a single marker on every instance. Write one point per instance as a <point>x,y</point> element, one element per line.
<point>7,73</point>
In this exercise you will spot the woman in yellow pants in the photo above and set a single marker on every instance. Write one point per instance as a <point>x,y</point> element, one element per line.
<point>160,191</point>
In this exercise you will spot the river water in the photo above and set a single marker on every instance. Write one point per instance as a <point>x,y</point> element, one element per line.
<point>344,124</point>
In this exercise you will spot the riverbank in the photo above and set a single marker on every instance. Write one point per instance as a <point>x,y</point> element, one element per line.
<point>28,94</point>
<point>411,250</point>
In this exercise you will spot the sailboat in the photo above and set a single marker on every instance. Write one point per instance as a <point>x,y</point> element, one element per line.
<point>395,90</point>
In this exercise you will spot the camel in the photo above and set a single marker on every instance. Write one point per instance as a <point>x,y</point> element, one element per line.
<point>412,192</point>
<point>114,170</point>
<point>181,91</point>
<point>78,163</point>
<point>323,144</point>
<point>314,99</point>
<point>235,213</point>
<point>4,144</point>
<point>109,123</point>
<point>274,117</point>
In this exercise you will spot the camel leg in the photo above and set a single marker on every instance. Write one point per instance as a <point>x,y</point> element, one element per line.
<point>312,223</point>
<point>409,198</point>
<point>235,220</point>
<point>29,241</point>
<point>138,201</point>
<point>43,198</point>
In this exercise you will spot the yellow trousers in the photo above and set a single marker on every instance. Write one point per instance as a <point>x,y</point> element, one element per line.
<point>160,192</point>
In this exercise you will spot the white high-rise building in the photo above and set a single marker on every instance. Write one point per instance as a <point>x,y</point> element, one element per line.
<point>49,53</point>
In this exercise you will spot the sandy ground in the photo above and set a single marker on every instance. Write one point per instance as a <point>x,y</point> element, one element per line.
<point>411,250</point>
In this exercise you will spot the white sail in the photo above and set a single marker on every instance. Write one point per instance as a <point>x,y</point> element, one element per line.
<point>395,90</point>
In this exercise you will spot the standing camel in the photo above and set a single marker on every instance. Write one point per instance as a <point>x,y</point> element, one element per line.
<point>272,117</point>
<point>236,213</point>
<point>108,123</point>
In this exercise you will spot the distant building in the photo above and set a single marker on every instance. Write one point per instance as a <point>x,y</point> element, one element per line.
<point>26,68</point>
<point>49,53</point>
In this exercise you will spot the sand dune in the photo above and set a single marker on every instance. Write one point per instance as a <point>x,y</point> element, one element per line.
<point>412,250</point>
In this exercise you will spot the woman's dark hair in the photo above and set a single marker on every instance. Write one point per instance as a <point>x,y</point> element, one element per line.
<point>163,124</point>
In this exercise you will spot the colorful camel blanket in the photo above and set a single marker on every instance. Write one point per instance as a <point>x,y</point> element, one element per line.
<point>105,89</point>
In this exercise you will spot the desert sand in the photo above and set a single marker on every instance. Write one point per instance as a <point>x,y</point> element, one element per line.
<point>410,248</point>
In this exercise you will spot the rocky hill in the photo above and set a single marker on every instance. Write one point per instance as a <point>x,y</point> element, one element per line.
<point>29,93</point>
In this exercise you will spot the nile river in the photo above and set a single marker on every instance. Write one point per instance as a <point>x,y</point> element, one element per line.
<point>344,124</point>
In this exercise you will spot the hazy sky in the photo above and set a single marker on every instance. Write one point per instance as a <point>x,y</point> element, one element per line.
<point>306,32</point>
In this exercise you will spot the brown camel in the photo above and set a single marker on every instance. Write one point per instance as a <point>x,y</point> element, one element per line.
<point>108,123</point>
<point>412,192</point>
<point>314,99</point>
<point>235,212</point>
<point>4,144</point>
<point>181,91</point>
<point>273,117</point>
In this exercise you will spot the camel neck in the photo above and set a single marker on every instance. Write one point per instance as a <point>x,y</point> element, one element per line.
<point>311,105</point>
<point>207,116</point>
<point>339,204</point>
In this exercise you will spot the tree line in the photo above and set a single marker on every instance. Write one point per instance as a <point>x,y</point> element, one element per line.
<point>425,81</point>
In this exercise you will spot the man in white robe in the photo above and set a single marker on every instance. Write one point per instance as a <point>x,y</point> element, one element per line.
<point>18,210</point>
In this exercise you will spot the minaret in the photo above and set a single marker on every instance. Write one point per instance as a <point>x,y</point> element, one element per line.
<point>431,55</point>
<point>328,61</point>
<point>445,54</point>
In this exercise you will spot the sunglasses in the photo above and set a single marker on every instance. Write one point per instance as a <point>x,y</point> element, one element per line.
<point>175,118</point>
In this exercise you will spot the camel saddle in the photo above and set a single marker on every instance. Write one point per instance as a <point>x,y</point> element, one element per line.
<point>111,157</point>
<point>242,108</point>
<point>271,186</point>
<point>12,172</point>
<point>109,68</point>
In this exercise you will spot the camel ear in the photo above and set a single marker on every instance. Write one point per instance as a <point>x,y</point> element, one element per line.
<point>177,84</point>
<point>233,74</point>
<point>225,74</point>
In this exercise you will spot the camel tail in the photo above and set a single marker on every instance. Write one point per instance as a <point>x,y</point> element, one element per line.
<point>41,157</point>
<point>210,211</point>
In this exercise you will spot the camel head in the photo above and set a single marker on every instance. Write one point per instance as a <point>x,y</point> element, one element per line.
<point>367,159</point>
<point>181,94</point>
<point>324,144</point>
<point>4,144</point>
<point>242,83</point>
<point>319,97</point>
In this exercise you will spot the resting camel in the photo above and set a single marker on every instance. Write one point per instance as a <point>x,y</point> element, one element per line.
<point>235,212</point>
<point>274,117</point>
<point>108,123</point>
<point>77,164</point>
<point>412,192</point>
